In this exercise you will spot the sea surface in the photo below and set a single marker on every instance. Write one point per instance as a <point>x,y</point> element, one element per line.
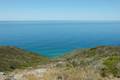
<point>54,38</point>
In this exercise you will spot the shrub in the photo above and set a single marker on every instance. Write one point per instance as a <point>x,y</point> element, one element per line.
<point>111,65</point>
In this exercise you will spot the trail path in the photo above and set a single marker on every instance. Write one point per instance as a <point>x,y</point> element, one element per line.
<point>28,74</point>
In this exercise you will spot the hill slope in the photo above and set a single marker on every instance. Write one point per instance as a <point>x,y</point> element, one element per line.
<point>102,59</point>
<point>12,58</point>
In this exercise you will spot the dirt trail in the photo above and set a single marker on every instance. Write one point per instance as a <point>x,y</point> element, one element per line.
<point>28,74</point>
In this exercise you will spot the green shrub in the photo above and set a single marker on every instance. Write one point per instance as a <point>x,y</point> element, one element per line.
<point>12,58</point>
<point>111,65</point>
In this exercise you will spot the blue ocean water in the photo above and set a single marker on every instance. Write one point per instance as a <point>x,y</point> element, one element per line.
<point>54,38</point>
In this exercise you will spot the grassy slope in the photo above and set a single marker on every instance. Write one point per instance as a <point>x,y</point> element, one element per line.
<point>100,63</point>
<point>104,59</point>
<point>12,58</point>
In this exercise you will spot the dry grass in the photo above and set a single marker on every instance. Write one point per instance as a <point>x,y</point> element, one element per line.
<point>72,74</point>
<point>86,73</point>
<point>75,74</point>
<point>31,77</point>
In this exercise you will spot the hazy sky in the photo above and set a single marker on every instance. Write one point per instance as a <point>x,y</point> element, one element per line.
<point>59,9</point>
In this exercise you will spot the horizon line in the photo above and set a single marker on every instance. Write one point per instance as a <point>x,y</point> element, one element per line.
<point>59,20</point>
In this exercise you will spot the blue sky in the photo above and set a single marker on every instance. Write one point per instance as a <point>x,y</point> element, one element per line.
<point>59,9</point>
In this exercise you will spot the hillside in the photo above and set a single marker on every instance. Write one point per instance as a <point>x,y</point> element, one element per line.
<point>100,63</point>
<point>103,59</point>
<point>12,58</point>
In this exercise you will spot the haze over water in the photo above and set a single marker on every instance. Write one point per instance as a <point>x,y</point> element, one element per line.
<point>53,38</point>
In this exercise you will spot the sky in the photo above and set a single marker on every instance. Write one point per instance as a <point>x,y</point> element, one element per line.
<point>59,9</point>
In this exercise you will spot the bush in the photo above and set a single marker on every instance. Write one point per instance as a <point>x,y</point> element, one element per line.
<point>111,66</point>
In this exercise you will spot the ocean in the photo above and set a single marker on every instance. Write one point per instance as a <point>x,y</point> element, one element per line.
<point>54,38</point>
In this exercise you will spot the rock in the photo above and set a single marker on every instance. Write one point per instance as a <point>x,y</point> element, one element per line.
<point>2,76</point>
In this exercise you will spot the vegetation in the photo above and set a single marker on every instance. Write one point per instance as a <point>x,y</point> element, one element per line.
<point>112,65</point>
<point>100,63</point>
<point>12,58</point>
